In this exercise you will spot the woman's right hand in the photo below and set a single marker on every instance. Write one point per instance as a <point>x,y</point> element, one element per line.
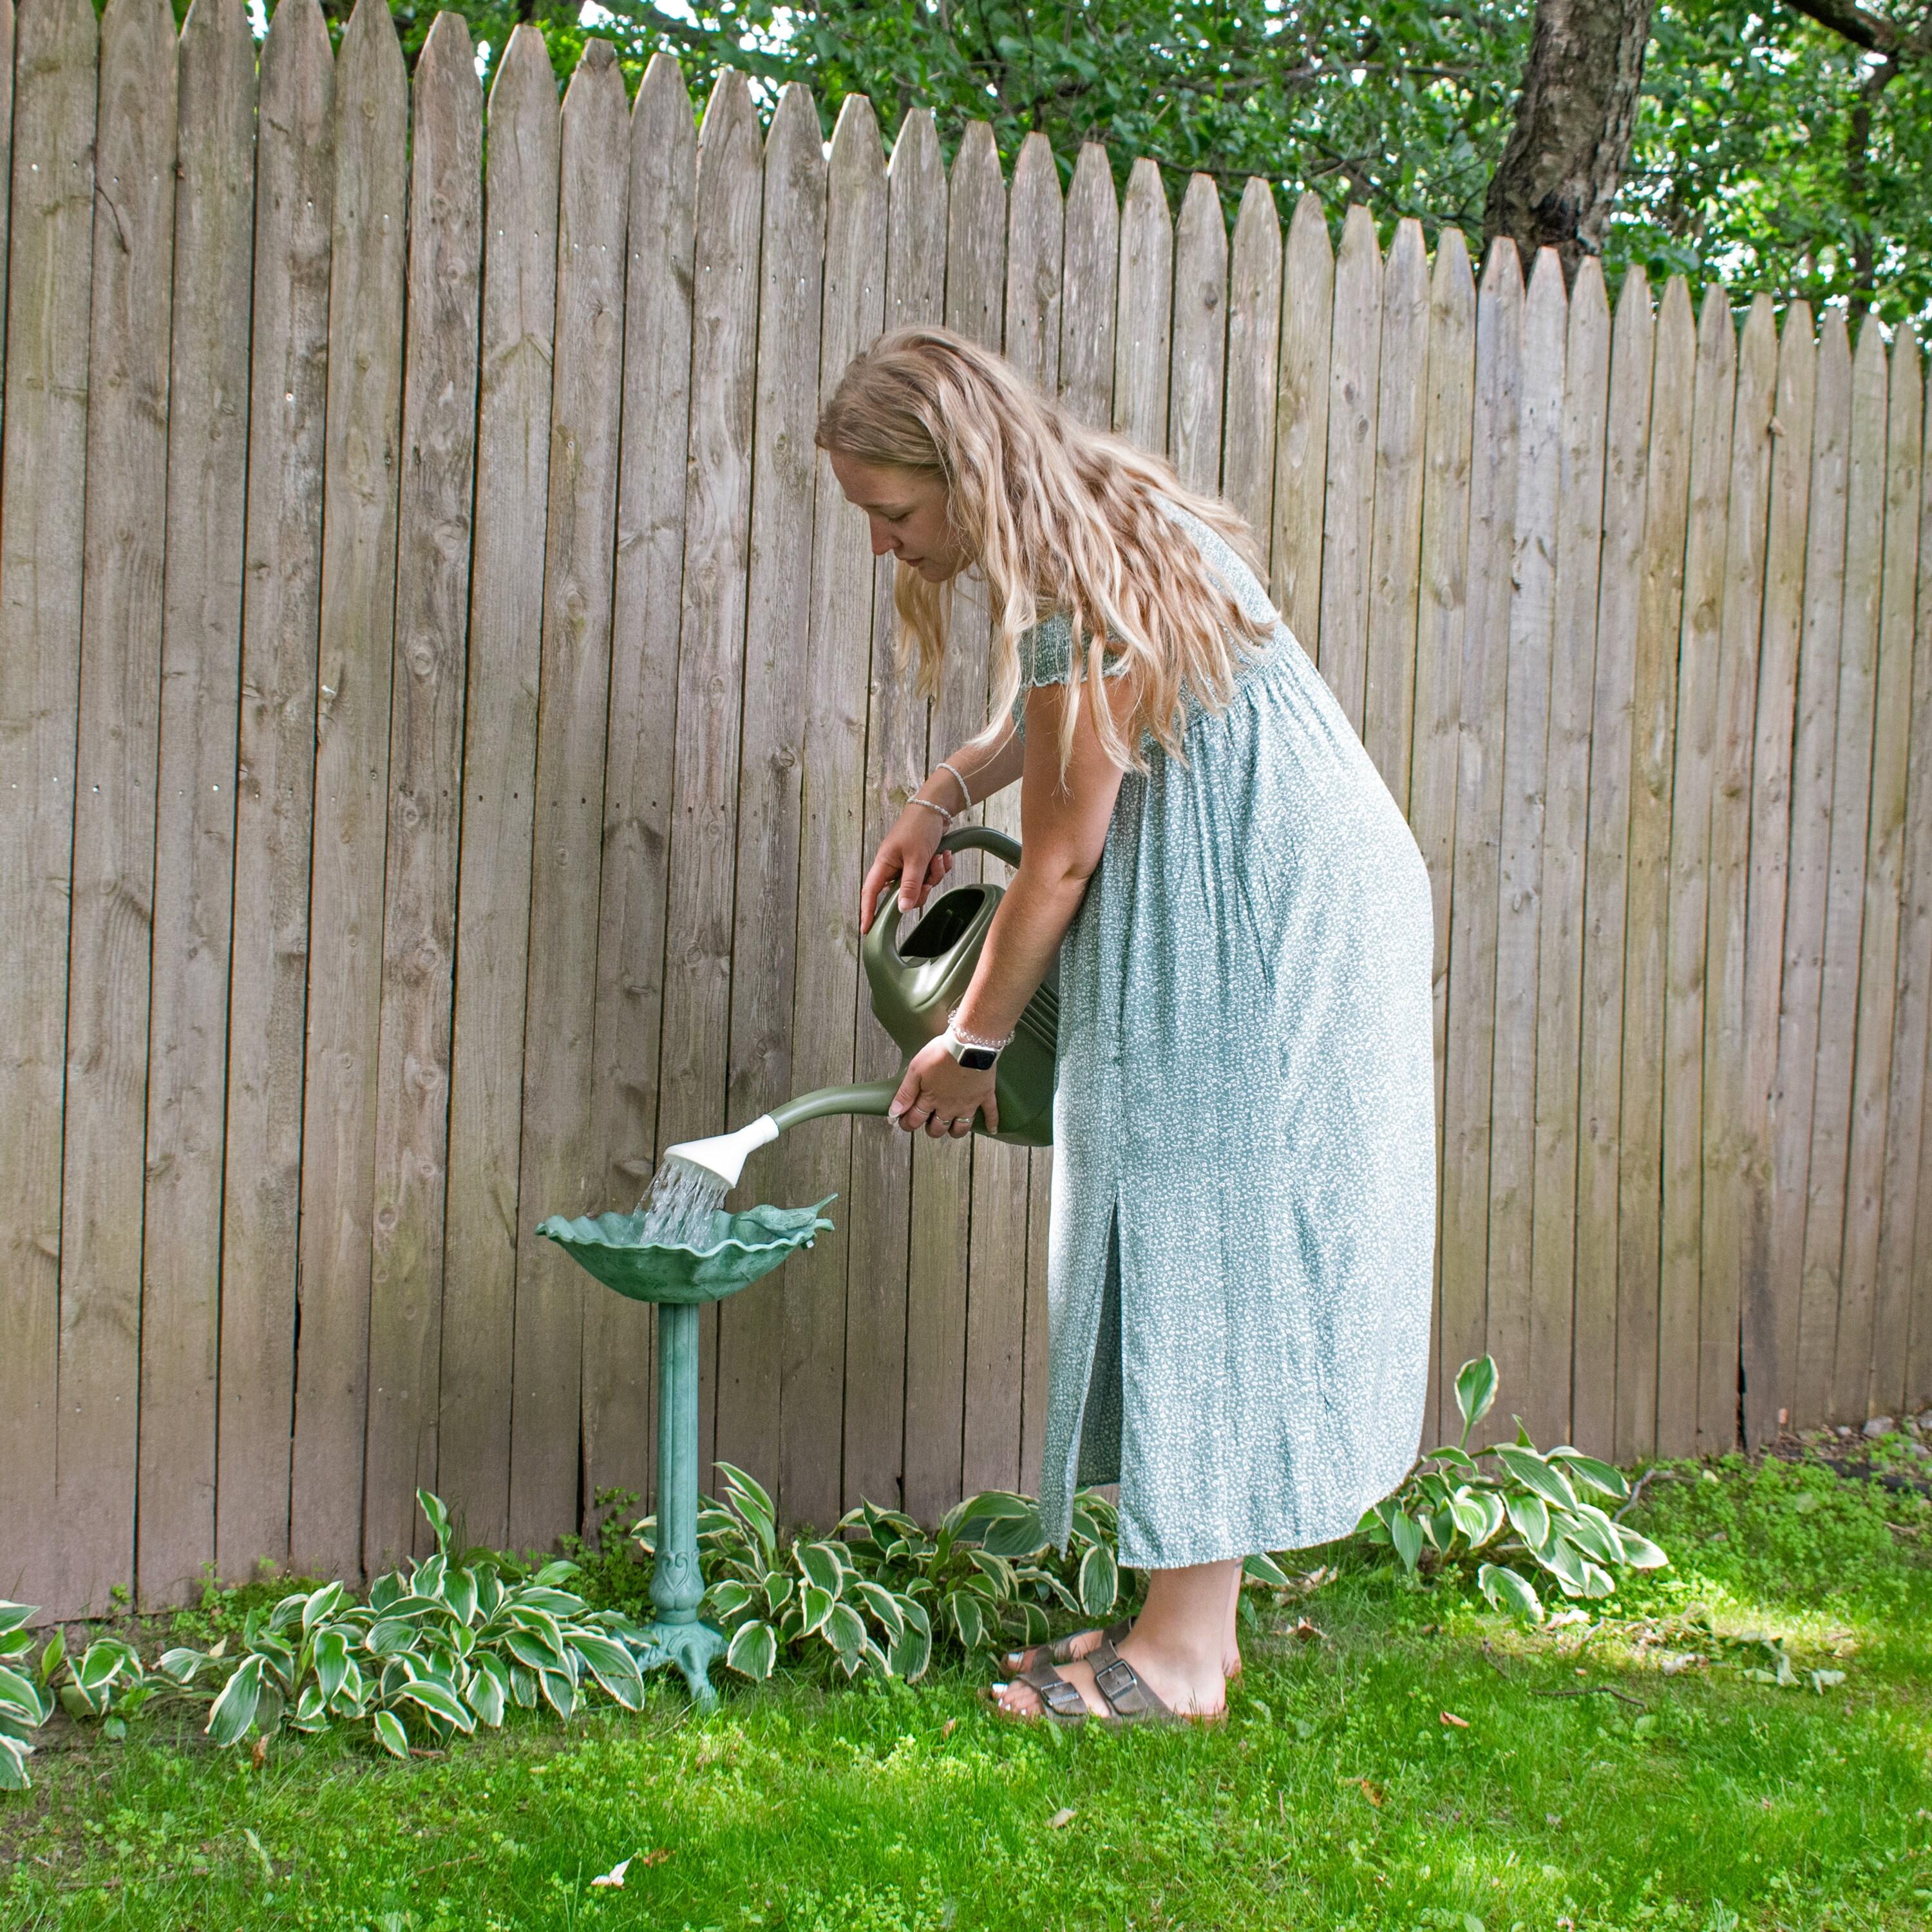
<point>910,853</point>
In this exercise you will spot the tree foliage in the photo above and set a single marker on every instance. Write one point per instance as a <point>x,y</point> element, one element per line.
<point>1750,160</point>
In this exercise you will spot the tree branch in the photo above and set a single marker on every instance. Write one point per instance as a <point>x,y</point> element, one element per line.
<point>1872,31</point>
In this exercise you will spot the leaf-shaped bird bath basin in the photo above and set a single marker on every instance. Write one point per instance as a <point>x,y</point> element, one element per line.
<point>741,1248</point>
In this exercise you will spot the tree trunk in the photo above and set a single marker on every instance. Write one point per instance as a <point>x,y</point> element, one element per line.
<point>1558,177</point>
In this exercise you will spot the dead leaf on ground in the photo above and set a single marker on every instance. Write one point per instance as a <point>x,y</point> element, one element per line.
<point>614,1877</point>
<point>1450,1718</point>
<point>1307,1631</point>
<point>946,1729</point>
<point>656,1858</point>
<point>1058,1819</point>
<point>1373,1792</point>
<point>258,1753</point>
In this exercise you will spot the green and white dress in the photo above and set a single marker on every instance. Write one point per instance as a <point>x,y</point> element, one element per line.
<point>1243,1210</point>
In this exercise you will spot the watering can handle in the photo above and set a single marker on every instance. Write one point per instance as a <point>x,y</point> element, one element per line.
<point>983,838</point>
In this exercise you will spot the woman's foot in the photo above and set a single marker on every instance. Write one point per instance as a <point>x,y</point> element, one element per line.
<point>1069,1649</point>
<point>1179,1646</point>
<point>1178,1679</point>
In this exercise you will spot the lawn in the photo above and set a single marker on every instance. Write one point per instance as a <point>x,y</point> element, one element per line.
<point>1397,1755</point>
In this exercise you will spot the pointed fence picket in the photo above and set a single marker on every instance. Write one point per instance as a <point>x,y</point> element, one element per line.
<point>452,707</point>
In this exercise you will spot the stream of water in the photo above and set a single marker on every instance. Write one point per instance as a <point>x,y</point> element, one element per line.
<point>682,1198</point>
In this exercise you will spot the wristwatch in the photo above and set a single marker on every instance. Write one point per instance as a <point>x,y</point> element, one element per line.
<point>977,1056</point>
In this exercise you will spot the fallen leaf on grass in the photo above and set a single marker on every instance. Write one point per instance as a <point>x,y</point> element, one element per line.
<point>1059,1819</point>
<point>258,1753</point>
<point>615,1876</point>
<point>1373,1792</point>
<point>656,1858</point>
<point>946,1729</point>
<point>1307,1631</point>
<point>1450,1718</point>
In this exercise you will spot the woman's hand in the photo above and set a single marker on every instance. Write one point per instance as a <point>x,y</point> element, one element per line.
<point>910,853</point>
<point>942,1097</point>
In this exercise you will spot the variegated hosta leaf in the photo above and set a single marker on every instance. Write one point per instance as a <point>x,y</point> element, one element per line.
<point>845,1630</point>
<point>1638,1551</point>
<point>1469,1516</point>
<point>311,1710</point>
<point>778,1587</point>
<point>487,1693</point>
<point>523,1687</point>
<point>1406,1533</point>
<point>234,1711</point>
<point>1594,1533</point>
<point>613,1666</point>
<point>822,1566</point>
<point>1099,1586</point>
<point>16,1616</point>
<point>1027,1621</point>
<point>909,1657</point>
<point>1508,1590</point>
<point>884,1605</point>
<point>753,1650</point>
<point>967,1616</point>
<point>432,1507</point>
<point>1475,1390</point>
<point>815,1605</point>
<point>20,1693</point>
<point>14,1752</point>
<point>728,1598</point>
<point>1564,1562</point>
<point>1494,1515</point>
<point>1533,1473</point>
<point>1264,1569</point>
<point>996,1570</point>
<point>1598,1581</point>
<point>1600,1476</point>
<point>391,1735</point>
<point>440,1701</point>
<point>1531,1516</point>
<point>320,1605</point>
<point>558,1691</point>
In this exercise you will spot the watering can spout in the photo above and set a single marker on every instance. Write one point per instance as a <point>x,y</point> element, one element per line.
<point>724,1155</point>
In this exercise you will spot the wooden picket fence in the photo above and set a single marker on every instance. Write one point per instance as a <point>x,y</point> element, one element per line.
<point>446,708</point>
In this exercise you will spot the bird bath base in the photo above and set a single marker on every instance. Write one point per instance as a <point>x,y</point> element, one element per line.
<point>741,1248</point>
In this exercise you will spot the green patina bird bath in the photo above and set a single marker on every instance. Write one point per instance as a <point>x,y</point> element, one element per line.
<point>740,1248</point>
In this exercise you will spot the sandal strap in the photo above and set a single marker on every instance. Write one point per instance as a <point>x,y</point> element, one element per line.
<point>1113,1634</point>
<point>1062,1699</point>
<point>1127,1693</point>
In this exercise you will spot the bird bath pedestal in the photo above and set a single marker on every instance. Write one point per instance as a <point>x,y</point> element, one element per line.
<point>680,1280</point>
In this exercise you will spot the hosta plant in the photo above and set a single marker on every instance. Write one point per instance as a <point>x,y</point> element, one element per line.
<point>105,1682</point>
<point>447,1647</point>
<point>1516,1506</point>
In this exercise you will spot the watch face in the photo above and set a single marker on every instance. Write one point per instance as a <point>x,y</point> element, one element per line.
<point>978,1058</point>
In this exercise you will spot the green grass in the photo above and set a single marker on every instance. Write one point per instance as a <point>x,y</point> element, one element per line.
<point>1721,1803</point>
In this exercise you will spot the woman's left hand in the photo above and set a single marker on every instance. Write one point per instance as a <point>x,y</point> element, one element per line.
<point>942,1097</point>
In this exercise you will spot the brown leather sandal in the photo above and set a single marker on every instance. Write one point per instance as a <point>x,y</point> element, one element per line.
<point>1129,1698</point>
<point>1060,1650</point>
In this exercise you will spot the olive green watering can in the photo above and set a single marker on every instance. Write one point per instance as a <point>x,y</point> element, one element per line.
<point>915,983</point>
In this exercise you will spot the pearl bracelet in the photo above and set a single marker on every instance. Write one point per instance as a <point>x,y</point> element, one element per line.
<point>933,805</point>
<point>966,1039</point>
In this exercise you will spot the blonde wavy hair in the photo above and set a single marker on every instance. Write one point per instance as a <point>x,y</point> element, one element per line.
<point>1058,517</point>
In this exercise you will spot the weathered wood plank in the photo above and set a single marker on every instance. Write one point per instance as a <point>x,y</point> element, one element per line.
<point>559,1166</point>
<point>1653,737</point>
<point>693,1049</point>
<point>647,601</point>
<point>1034,250</point>
<point>1301,422</point>
<point>1856,1367</point>
<point>500,732</point>
<point>1808,871</point>
<point>817,1160</point>
<point>1254,351</point>
<point>1599,1099</point>
<point>200,654</point>
<point>1441,617</point>
<point>750,1327</point>
<point>1467,1088</point>
<point>1730,1129</point>
<point>878,1210</point>
<point>1533,523</point>
<point>1005,1274</point>
<point>1841,1006</point>
<point>111,939</point>
<point>1394,580</point>
<point>1578,532</point>
<point>1692,783</point>
<point>1347,505</point>
<point>295,200</point>
<point>1771,808</point>
<point>436,501</point>
<point>1918,1350</point>
<point>1090,282</point>
<point>1197,366</point>
<point>1144,323</point>
<point>352,755</point>
<point>947,1277</point>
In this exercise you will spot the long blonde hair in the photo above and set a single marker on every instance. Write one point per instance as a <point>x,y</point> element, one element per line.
<point>1059,517</point>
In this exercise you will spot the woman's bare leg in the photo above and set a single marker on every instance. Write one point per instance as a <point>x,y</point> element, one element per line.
<point>1080,1644</point>
<point>1179,1644</point>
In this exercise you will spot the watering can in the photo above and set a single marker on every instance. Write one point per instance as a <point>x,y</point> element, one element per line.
<point>914,983</point>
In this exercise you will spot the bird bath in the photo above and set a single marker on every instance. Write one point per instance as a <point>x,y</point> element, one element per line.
<point>739,1250</point>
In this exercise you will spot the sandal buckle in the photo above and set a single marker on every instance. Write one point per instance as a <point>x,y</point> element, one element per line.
<point>1121,1674</point>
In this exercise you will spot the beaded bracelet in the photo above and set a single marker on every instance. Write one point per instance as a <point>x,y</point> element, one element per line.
<point>966,1039</point>
<point>933,805</point>
<point>946,765</point>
